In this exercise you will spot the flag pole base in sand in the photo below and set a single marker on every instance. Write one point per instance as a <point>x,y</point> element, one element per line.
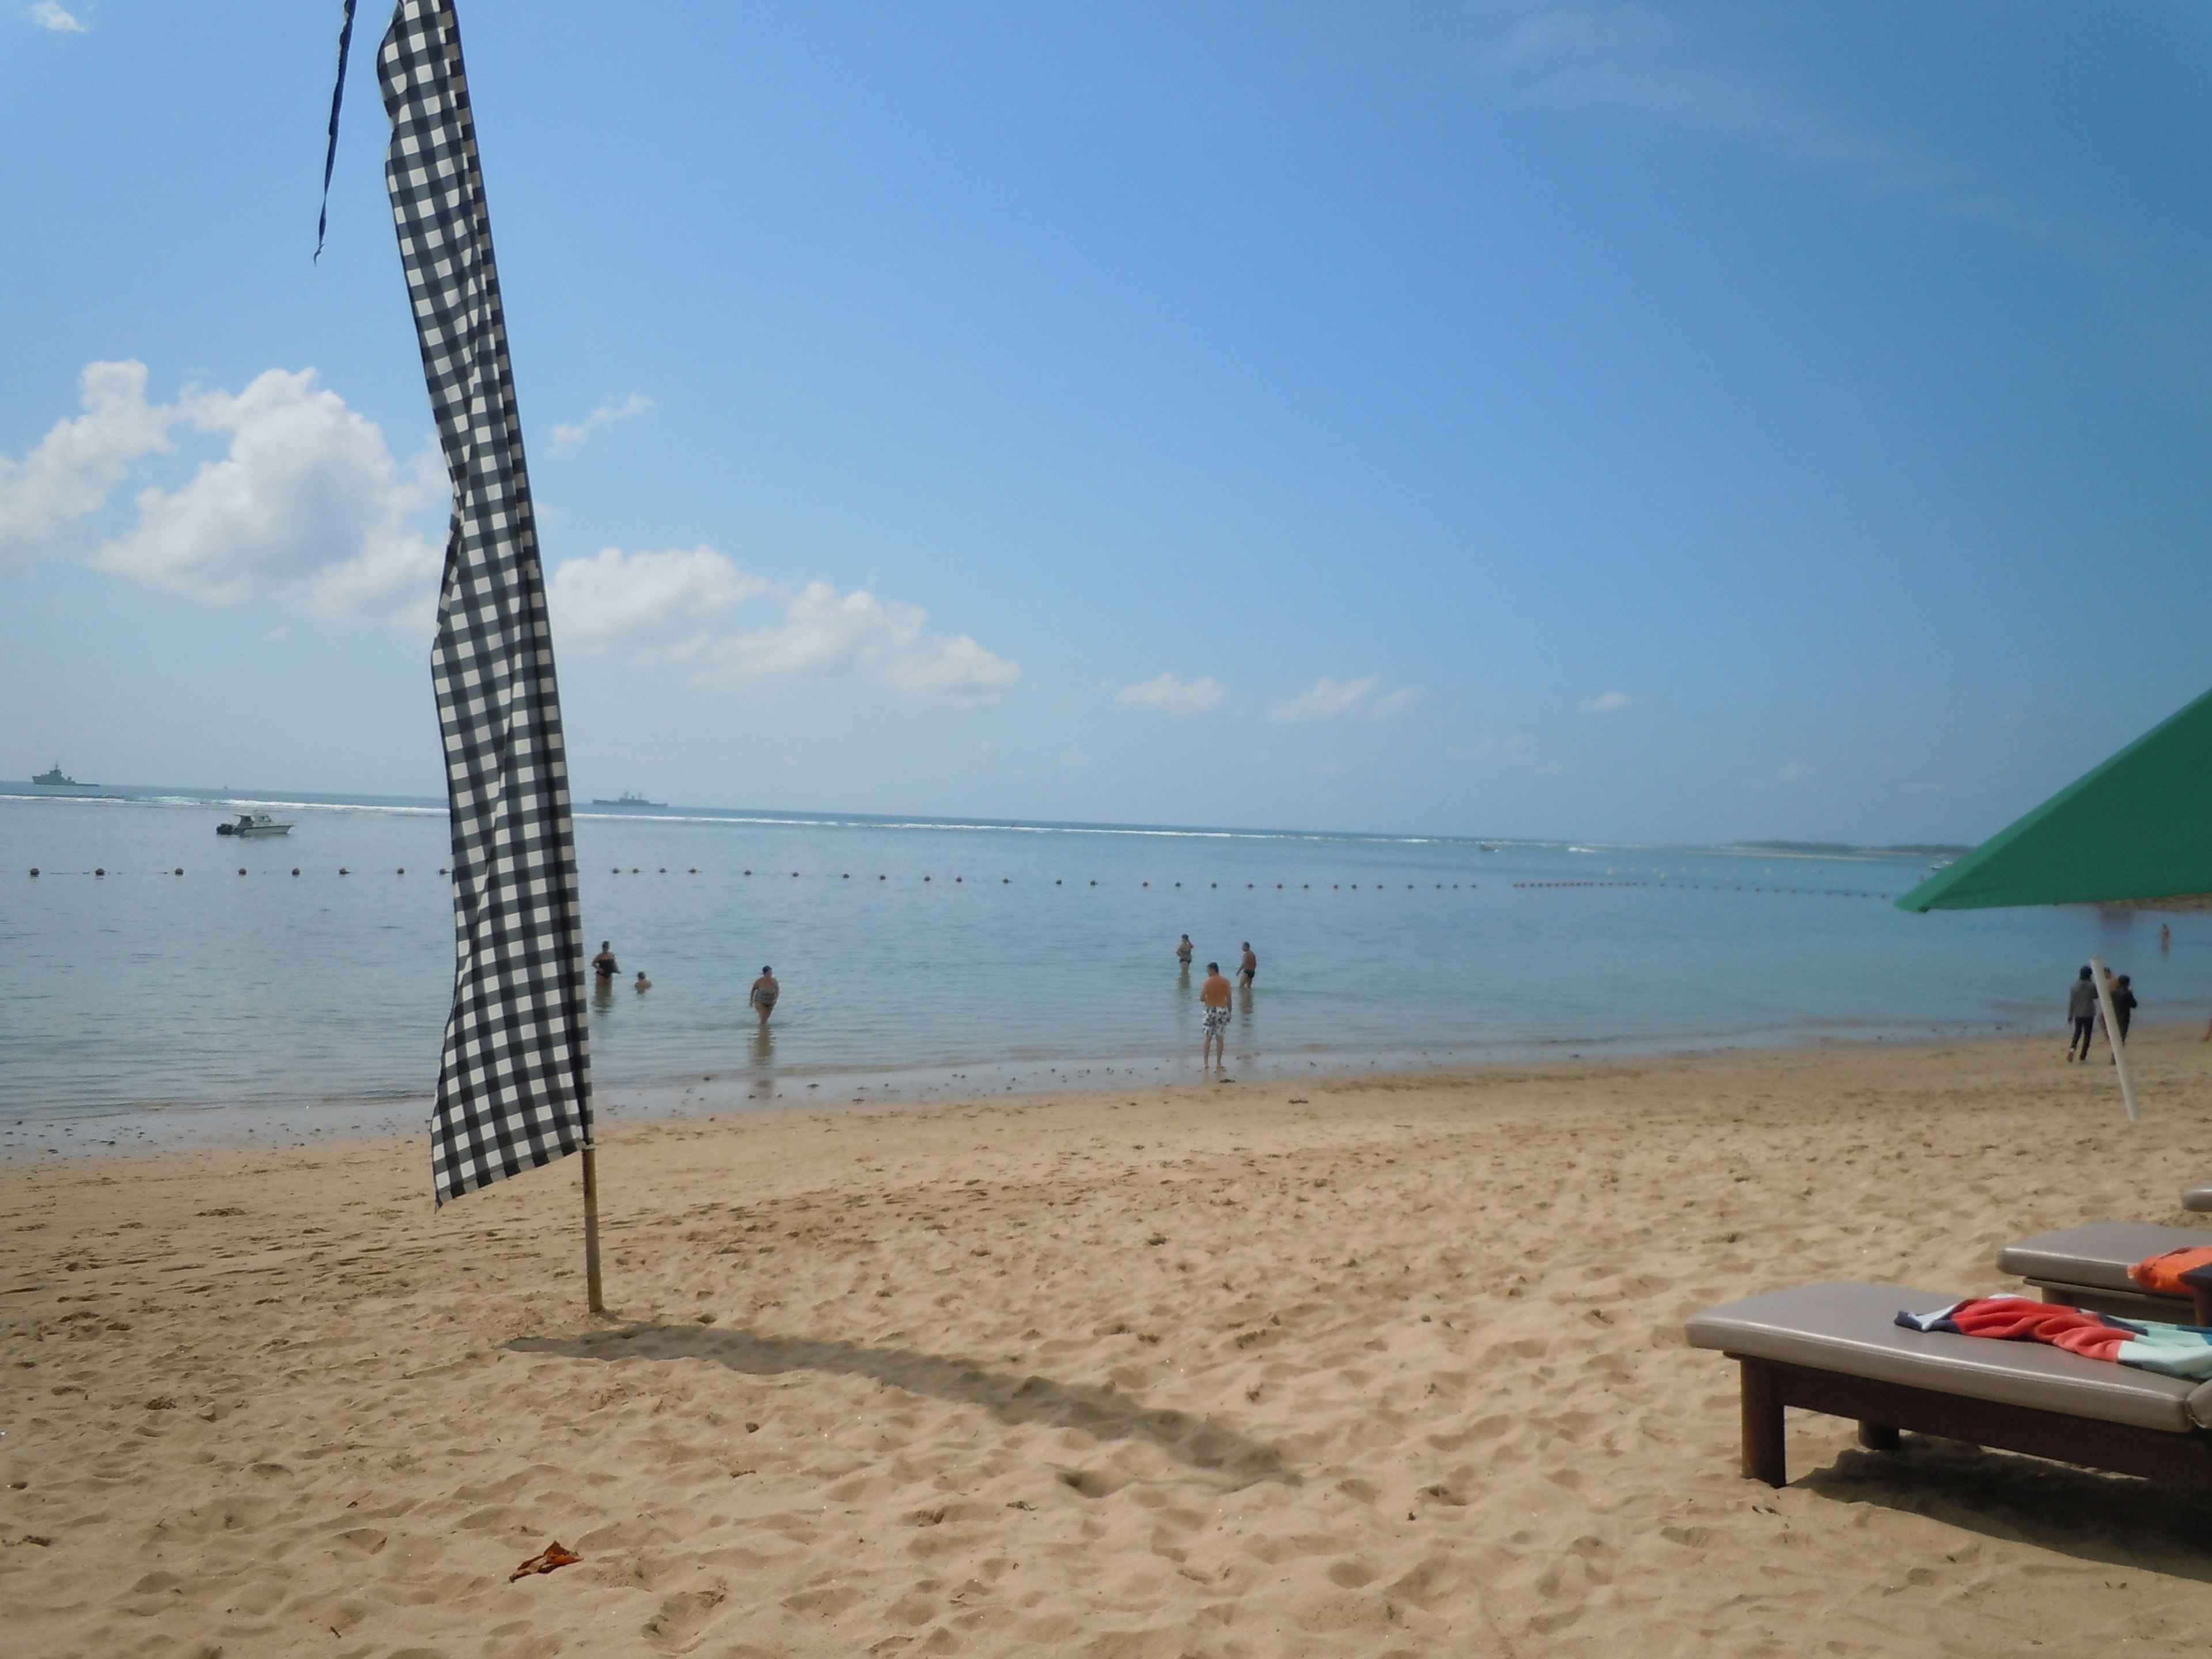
<point>2111,1035</point>
<point>593,1294</point>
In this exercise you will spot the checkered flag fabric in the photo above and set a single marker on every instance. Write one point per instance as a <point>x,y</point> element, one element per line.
<point>514,1087</point>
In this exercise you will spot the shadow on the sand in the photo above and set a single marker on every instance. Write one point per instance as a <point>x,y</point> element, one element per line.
<point>2115,1520</point>
<point>1100,1412</point>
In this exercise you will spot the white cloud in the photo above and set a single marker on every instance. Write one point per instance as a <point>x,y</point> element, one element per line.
<point>654,604</point>
<point>1627,57</point>
<point>679,605</point>
<point>567,438</point>
<point>1606,702</point>
<point>51,15</point>
<point>78,463</point>
<point>1638,59</point>
<point>308,507</point>
<point>1172,695</point>
<point>1558,31</point>
<point>1327,699</point>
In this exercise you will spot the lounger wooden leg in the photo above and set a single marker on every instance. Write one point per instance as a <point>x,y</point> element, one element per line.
<point>1878,1436</point>
<point>1764,1455</point>
<point>2203,1295</point>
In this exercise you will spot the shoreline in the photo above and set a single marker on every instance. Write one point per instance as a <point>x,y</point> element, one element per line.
<point>140,1128</point>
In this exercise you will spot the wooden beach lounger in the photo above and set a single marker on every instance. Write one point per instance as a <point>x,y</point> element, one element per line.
<point>2086,1267</point>
<point>1838,1349</point>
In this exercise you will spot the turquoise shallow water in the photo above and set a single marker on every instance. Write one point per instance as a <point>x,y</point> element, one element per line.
<point>920,957</point>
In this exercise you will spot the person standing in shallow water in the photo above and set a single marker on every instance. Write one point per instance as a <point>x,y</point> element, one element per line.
<point>1249,969</point>
<point>1183,953</point>
<point>2081,1009</point>
<point>765,992</point>
<point>604,964</point>
<point>1213,997</point>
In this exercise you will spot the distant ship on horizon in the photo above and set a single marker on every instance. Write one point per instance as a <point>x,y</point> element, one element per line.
<point>629,798</point>
<point>56,782</point>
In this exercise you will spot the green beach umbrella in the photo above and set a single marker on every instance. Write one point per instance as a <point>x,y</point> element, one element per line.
<point>2137,829</point>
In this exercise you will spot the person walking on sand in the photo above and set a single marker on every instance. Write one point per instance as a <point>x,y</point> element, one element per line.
<point>1183,953</point>
<point>604,964</point>
<point>1213,997</point>
<point>2123,1008</point>
<point>2081,1009</point>
<point>1250,970</point>
<point>765,992</point>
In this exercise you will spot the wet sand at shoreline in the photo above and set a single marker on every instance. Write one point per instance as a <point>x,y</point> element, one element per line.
<point>1363,1365</point>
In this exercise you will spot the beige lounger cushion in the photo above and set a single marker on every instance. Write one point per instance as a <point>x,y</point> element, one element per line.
<point>1853,1330</point>
<point>2197,1198</point>
<point>2098,1254</point>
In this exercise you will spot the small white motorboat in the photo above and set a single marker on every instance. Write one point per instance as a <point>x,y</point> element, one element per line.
<point>253,823</point>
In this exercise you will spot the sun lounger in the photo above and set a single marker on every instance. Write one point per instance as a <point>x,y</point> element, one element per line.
<point>2086,1267</point>
<point>1838,1349</point>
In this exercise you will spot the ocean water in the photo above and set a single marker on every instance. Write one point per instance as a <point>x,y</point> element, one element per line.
<point>927,957</point>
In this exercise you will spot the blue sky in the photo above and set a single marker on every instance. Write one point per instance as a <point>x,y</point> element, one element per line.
<point>1636,421</point>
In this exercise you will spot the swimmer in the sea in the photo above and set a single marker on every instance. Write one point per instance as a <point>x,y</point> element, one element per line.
<point>641,983</point>
<point>604,964</point>
<point>765,992</point>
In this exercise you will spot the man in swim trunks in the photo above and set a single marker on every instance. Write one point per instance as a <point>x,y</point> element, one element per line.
<point>1213,997</point>
<point>1182,952</point>
<point>1250,970</point>
<point>604,964</point>
<point>765,992</point>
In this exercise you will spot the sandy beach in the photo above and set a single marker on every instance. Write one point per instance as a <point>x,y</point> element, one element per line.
<point>1375,1366</point>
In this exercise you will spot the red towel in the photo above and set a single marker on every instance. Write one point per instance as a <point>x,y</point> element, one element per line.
<point>2015,1318</point>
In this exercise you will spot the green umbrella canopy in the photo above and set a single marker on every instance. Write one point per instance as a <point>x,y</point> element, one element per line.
<point>2137,829</point>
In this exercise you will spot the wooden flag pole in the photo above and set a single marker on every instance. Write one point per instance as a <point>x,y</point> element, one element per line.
<point>592,1291</point>
<point>2112,1037</point>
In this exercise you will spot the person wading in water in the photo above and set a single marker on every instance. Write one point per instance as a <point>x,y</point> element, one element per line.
<point>1213,997</point>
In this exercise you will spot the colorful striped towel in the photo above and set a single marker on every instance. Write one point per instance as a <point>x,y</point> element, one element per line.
<point>2171,1350</point>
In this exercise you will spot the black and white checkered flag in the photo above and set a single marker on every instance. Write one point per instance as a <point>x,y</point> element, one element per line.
<point>514,1089</point>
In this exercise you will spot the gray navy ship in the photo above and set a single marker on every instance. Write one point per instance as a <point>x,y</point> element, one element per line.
<point>55,781</point>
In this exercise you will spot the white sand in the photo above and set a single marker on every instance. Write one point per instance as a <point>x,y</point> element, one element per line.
<point>1394,1368</point>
